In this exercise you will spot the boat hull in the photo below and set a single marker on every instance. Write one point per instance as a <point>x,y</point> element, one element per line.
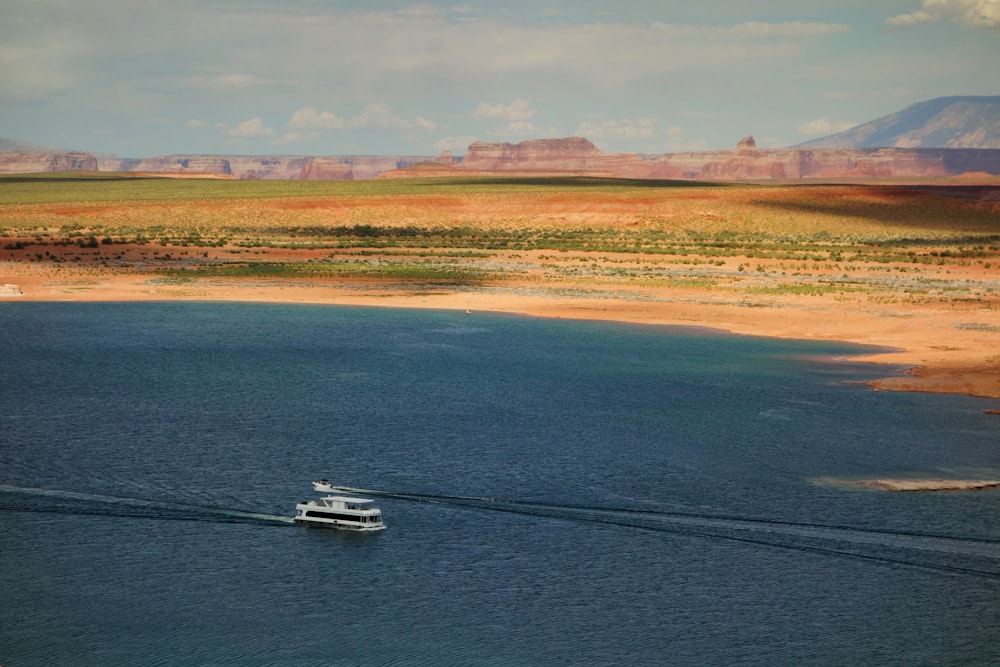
<point>338,525</point>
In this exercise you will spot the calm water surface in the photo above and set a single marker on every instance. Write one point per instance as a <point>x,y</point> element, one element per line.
<point>576,493</point>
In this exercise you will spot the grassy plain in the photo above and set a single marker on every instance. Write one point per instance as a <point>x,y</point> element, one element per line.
<point>914,266</point>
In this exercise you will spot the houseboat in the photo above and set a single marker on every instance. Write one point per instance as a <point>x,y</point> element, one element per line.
<point>340,512</point>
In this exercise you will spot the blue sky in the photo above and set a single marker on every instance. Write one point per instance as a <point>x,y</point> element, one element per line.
<point>148,77</point>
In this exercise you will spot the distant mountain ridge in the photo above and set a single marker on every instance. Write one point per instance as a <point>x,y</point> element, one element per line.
<point>944,122</point>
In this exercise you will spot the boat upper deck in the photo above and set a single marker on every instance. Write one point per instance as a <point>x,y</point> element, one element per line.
<point>344,503</point>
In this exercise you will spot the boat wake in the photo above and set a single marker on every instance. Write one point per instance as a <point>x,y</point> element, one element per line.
<point>58,501</point>
<point>943,553</point>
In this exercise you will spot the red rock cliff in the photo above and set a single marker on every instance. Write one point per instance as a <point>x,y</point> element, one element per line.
<point>571,155</point>
<point>33,162</point>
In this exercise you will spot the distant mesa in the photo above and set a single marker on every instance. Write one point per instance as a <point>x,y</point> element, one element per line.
<point>265,167</point>
<point>578,156</point>
<point>20,162</point>
<point>180,164</point>
<point>941,137</point>
<point>446,158</point>
<point>325,169</point>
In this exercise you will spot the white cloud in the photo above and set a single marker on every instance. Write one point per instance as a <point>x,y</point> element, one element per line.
<point>374,116</point>
<point>752,29</point>
<point>911,19</point>
<point>308,118</point>
<point>425,124</point>
<point>252,128</point>
<point>972,13</point>
<point>708,115</point>
<point>678,141</point>
<point>788,29</point>
<point>824,126</point>
<point>518,127</point>
<point>305,47</point>
<point>518,110</point>
<point>379,116</point>
<point>639,128</point>
<point>195,123</point>
<point>454,144</point>
<point>227,81</point>
<point>311,67</point>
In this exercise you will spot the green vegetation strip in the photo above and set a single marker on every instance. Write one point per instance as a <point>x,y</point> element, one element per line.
<point>70,187</point>
<point>405,272</point>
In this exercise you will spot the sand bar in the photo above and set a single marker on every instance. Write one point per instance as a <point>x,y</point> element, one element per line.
<point>932,484</point>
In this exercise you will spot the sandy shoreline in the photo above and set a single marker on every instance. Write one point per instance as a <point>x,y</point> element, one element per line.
<point>941,344</point>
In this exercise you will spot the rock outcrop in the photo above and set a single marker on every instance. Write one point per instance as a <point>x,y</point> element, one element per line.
<point>370,166</point>
<point>325,169</point>
<point>180,164</point>
<point>832,163</point>
<point>276,167</point>
<point>24,162</point>
<point>573,155</point>
<point>446,158</point>
<point>268,167</point>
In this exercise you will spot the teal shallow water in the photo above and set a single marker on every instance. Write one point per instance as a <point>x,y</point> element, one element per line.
<point>556,493</point>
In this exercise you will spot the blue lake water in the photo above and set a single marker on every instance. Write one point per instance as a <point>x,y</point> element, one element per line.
<point>575,493</point>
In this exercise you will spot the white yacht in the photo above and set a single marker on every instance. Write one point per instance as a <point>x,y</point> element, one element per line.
<point>323,485</point>
<point>341,512</point>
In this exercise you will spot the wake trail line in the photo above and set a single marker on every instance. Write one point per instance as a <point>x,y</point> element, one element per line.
<point>117,506</point>
<point>672,514</point>
<point>788,535</point>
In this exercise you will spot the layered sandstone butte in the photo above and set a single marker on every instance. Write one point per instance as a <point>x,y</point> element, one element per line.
<point>25,162</point>
<point>746,161</point>
<point>325,169</point>
<point>272,167</point>
<point>267,167</point>
<point>573,155</point>
<point>369,166</point>
<point>830,163</point>
<point>180,164</point>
